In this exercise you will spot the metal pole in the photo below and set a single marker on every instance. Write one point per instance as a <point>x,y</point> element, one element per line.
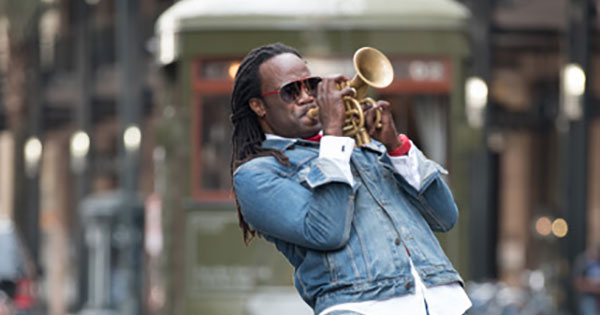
<point>573,137</point>
<point>130,259</point>
<point>483,217</point>
<point>34,116</point>
<point>83,120</point>
<point>129,94</point>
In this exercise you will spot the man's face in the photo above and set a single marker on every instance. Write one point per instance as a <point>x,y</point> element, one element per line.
<point>286,119</point>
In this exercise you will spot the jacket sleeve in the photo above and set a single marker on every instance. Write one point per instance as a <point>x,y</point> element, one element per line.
<point>437,205</point>
<point>434,199</point>
<point>315,213</point>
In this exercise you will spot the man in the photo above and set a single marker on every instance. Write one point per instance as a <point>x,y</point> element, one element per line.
<point>356,223</point>
<point>587,280</point>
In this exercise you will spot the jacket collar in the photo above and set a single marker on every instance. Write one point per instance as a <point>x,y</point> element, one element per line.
<point>281,143</point>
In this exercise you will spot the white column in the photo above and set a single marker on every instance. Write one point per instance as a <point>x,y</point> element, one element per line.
<point>7,148</point>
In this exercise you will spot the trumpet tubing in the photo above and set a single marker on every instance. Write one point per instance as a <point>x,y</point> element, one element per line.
<point>374,69</point>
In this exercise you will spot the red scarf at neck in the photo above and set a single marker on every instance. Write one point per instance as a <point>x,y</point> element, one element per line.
<point>315,138</point>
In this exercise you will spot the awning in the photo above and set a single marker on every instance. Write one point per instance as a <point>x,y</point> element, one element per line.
<point>202,15</point>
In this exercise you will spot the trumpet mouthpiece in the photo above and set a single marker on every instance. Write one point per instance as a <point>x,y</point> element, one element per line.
<point>313,112</point>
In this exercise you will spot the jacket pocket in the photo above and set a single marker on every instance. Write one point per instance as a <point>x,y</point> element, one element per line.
<point>342,265</point>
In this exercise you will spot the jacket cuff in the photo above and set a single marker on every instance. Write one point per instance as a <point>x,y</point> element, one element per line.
<point>325,171</point>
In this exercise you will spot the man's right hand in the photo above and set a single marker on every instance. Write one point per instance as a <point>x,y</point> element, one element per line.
<point>331,105</point>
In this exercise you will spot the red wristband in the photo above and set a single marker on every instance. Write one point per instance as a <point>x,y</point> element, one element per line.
<point>403,148</point>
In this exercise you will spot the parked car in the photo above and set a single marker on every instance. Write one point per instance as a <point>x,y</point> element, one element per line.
<point>17,286</point>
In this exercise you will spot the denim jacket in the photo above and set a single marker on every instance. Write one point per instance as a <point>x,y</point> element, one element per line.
<point>349,243</point>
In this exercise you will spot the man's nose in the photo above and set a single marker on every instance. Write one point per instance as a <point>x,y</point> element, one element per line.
<point>305,96</point>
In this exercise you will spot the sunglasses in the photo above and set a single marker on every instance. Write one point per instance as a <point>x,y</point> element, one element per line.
<point>290,92</point>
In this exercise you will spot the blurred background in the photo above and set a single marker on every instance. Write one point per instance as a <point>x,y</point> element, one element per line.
<point>115,194</point>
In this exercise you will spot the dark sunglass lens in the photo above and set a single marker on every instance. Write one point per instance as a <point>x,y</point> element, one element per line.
<point>290,92</point>
<point>312,85</point>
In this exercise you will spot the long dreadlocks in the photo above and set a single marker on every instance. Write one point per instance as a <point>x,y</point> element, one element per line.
<point>247,135</point>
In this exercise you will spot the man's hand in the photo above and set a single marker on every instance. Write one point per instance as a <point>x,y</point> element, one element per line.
<point>331,105</point>
<point>387,134</point>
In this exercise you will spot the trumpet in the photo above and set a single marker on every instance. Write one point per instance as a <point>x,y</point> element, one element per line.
<point>374,69</point>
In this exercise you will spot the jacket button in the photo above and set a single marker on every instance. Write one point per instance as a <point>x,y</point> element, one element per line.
<point>397,241</point>
<point>408,285</point>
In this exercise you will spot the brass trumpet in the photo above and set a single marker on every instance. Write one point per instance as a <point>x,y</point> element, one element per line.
<point>374,69</point>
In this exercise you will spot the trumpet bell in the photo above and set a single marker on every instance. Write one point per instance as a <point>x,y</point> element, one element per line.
<point>373,67</point>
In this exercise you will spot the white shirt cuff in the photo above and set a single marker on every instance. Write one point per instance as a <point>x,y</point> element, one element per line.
<point>338,150</point>
<point>408,166</point>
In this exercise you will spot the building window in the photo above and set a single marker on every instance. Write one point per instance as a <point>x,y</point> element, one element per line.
<point>215,147</point>
<point>211,129</point>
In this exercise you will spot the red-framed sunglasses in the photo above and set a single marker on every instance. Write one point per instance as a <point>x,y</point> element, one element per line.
<point>290,92</point>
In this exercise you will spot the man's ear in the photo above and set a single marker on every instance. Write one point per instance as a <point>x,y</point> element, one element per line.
<point>258,107</point>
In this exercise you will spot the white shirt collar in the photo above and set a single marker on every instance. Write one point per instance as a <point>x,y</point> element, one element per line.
<point>270,136</point>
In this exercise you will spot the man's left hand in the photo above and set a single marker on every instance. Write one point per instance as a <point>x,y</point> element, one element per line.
<point>387,134</point>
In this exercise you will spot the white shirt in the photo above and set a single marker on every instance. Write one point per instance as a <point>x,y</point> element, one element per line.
<point>449,299</point>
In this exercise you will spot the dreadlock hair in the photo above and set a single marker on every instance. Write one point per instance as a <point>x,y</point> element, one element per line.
<point>247,134</point>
